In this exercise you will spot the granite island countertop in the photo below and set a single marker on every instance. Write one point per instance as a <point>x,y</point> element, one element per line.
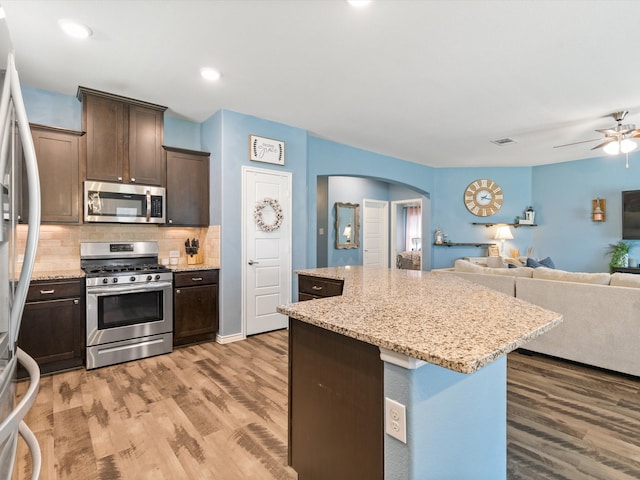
<point>441,319</point>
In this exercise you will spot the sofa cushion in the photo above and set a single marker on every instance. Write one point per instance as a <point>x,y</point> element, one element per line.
<point>619,279</point>
<point>545,262</point>
<point>577,277</point>
<point>496,262</point>
<point>468,267</point>
<point>465,266</point>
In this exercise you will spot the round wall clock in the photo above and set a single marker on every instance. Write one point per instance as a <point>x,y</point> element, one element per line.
<point>483,197</point>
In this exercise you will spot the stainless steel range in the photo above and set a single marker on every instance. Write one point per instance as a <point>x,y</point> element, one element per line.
<point>129,302</point>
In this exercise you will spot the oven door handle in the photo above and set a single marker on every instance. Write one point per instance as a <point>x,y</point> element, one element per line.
<point>154,287</point>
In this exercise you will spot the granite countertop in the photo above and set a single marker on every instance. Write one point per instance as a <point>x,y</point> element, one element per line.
<point>441,319</point>
<point>58,275</point>
<point>186,268</point>
<point>78,273</point>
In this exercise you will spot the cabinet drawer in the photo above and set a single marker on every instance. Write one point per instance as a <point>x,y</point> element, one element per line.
<point>195,277</point>
<point>319,287</point>
<point>54,290</point>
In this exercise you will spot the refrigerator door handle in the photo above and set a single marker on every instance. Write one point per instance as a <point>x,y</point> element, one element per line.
<point>33,179</point>
<point>12,421</point>
<point>32,442</point>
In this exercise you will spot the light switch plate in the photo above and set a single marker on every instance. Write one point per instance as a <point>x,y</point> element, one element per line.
<point>174,254</point>
<point>395,419</point>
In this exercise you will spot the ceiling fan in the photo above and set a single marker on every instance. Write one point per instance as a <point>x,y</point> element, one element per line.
<point>616,139</point>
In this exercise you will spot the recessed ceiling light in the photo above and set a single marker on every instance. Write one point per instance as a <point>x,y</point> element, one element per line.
<point>359,3</point>
<point>74,29</point>
<point>210,74</point>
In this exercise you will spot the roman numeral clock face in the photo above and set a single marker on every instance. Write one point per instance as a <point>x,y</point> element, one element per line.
<point>483,197</point>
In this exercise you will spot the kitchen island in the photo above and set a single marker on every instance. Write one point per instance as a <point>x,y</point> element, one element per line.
<point>433,343</point>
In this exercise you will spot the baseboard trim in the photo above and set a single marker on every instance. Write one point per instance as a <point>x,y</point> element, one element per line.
<point>236,337</point>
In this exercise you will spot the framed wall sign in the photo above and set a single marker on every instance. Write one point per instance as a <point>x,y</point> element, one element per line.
<point>266,150</point>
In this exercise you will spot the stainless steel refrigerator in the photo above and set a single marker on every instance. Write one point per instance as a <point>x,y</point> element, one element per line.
<point>17,155</point>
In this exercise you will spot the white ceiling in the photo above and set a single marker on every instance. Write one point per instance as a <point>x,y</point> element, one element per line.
<point>426,81</point>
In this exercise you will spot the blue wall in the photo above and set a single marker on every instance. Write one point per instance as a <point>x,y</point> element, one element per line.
<point>227,134</point>
<point>451,215</point>
<point>350,190</point>
<point>561,194</point>
<point>330,158</point>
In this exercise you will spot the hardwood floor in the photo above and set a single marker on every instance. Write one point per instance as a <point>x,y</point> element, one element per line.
<point>566,421</point>
<point>215,411</point>
<point>208,411</point>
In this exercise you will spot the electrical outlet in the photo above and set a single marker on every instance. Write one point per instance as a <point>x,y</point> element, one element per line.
<point>174,254</point>
<point>20,258</point>
<point>395,415</point>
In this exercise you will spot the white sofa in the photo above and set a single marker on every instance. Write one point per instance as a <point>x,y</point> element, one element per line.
<point>601,311</point>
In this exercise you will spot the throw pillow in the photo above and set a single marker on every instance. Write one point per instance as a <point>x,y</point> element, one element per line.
<point>533,263</point>
<point>545,262</point>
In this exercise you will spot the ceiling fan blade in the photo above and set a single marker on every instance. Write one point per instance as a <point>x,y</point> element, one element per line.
<point>576,143</point>
<point>608,140</point>
<point>634,134</point>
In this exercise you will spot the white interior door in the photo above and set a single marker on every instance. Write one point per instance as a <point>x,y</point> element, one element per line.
<point>267,254</point>
<point>375,233</point>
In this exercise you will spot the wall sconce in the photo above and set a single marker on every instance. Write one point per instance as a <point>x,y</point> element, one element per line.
<point>347,232</point>
<point>503,233</point>
<point>598,210</point>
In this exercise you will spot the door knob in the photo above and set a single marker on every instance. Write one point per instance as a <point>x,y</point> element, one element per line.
<point>251,262</point>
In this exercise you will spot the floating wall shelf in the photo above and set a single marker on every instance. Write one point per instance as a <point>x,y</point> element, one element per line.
<point>454,244</point>
<point>514,225</point>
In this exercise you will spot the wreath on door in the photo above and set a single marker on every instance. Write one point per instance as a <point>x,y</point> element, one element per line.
<point>258,212</point>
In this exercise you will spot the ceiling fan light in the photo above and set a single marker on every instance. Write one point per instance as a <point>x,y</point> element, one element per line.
<point>612,148</point>
<point>627,145</point>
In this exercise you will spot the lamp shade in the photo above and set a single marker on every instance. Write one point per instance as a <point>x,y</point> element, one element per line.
<point>503,233</point>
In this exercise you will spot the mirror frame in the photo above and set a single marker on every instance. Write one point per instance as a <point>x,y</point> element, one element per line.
<point>355,224</point>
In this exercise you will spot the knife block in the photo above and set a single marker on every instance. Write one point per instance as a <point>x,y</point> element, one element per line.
<point>194,258</point>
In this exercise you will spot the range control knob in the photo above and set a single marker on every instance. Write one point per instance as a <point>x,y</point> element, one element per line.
<point>105,280</point>
<point>115,279</point>
<point>149,278</point>
<point>133,279</point>
<point>157,277</point>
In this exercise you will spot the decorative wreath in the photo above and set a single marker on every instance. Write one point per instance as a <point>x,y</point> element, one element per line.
<point>257,215</point>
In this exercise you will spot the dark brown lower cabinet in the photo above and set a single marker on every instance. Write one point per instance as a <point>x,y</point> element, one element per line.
<point>53,325</point>
<point>195,306</point>
<point>335,405</point>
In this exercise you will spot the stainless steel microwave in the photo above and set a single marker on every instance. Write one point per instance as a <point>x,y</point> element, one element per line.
<point>123,203</point>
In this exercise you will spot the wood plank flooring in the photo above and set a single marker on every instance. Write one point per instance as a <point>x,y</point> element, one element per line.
<point>215,411</point>
<point>208,411</point>
<point>566,421</point>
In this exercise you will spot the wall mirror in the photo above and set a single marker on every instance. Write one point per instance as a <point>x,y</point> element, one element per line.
<point>347,225</point>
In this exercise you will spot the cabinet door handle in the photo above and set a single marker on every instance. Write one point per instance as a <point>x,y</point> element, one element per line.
<point>133,179</point>
<point>76,301</point>
<point>251,262</point>
<point>119,179</point>
<point>47,292</point>
<point>178,292</point>
<point>196,279</point>
<point>316,288</point>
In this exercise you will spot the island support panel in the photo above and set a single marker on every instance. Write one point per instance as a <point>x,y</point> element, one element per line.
<point>335,405</point>
<point>456,423</point>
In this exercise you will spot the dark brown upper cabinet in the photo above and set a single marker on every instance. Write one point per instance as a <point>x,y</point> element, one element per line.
<point>187,187</point>
<point>124,138</point>
<point>57,151</point>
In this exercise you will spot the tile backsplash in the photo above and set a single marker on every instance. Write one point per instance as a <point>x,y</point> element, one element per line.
<point>59,245</point>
